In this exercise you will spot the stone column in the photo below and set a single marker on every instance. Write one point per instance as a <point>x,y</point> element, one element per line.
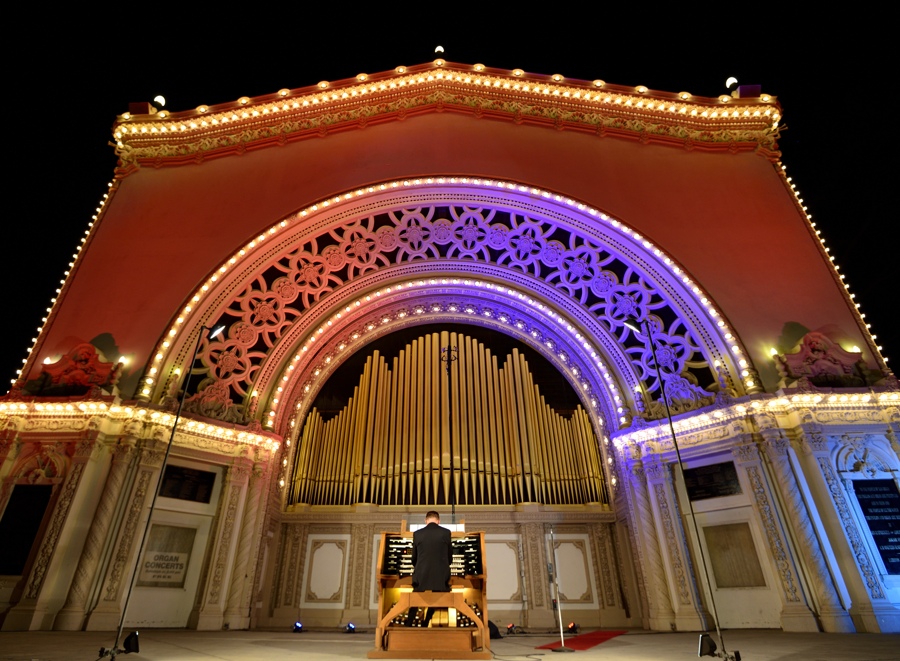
<point>795,614</point>
<point>534,542</point>
<point>661,616</point>
<point>71,617</point>
<point>832,614</point>
<point>209,615</point>
<point>689,613</point>
<point>870,609</point>
<point>31,612</point>
<point>237,610</point>
<point>106,614</point>
<point>359,574</point>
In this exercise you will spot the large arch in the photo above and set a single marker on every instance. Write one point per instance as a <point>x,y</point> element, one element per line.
<point>543,268</point>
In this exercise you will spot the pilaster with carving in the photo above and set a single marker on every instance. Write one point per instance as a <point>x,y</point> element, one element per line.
<point>688,609</point>
<point>237,611</point>
<point>796,614</point>
<point>30,611</point>
<point>832,614</point>
<point>869,608</point>
<point>71,617</point>
<point>211,612</point>
<point>105,616</point>
<point>360,572</point>
<point>536,563</point>
<point>660,610</point>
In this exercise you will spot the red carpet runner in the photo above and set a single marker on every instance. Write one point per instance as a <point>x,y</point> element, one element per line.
<point>585,641</point>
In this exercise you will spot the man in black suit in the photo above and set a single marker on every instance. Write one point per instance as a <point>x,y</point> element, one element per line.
<point>432,554</point>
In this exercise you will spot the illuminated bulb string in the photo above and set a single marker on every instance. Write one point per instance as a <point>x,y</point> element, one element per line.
<point>62,283</point>
<point>800,204</point>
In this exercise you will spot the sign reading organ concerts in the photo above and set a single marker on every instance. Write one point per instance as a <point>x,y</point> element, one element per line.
<point>165,560</point>
<point>880,504</point>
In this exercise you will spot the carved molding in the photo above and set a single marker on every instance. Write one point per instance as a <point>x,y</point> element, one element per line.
<point>842,507</point>
<point>777,544</point>
<point>673,544</point>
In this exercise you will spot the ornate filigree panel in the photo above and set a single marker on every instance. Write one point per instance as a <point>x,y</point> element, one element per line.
<point>580,265</point>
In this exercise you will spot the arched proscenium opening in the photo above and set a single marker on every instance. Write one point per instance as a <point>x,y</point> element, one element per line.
<point>289,297</point>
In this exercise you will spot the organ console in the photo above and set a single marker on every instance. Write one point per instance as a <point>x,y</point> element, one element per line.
<point>458,630</point>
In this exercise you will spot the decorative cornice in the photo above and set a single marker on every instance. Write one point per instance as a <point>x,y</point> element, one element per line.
<point>726,123</point>
<point>115,419</point>
<point>763,412</point>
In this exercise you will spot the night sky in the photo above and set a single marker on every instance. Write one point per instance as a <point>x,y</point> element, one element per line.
<point>66,85</point>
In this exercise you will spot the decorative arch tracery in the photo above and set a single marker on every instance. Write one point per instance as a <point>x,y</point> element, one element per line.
<point>295,293</point>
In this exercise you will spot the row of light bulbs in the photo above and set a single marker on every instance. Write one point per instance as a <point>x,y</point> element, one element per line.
<point>120,413</point>
<point>247,109</point>
<point>799,201</point>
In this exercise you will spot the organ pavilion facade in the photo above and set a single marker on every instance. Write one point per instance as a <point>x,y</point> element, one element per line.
<point>647,246</point>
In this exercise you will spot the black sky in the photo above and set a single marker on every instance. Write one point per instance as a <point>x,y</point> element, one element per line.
<point>67,83</point>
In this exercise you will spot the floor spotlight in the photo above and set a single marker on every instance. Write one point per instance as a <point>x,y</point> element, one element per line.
<point>707,645</point>
<point>351,628</point>
<point>298,627</point>
<point>131,643</point>
<point>572,628</point>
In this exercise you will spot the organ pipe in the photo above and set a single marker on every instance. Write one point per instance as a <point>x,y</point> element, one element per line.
<point>427,431</point>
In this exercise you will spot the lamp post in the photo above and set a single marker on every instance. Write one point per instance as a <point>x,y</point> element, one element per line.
<point>131,641</point>
<point>707,647</point>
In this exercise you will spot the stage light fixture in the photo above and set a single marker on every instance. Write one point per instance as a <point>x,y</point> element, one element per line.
<point>131,643</point>
<point>707,645</point>
<point>351,628</point>
<point>298,627</point>
<point>572,628</point>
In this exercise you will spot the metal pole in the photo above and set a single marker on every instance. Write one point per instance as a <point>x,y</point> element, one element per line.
<point>712,598</point>
<point>114,650</point>
<point>562,641</point>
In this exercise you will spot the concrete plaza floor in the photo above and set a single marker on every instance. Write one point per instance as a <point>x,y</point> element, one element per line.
<point>182,645</point>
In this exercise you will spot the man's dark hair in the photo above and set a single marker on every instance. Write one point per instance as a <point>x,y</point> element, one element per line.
<point>432,515</point>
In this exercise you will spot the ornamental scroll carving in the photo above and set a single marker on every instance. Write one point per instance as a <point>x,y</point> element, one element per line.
<point>773,535</point>
<point>856,543</point>
<point>821,362</point>
<point>673,544</point>
<point>604,281</point>
<point>82,371</point>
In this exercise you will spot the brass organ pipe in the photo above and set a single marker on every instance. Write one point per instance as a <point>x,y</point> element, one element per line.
<point>514,460</point>
<point>559,460</point>
<point>483,465</point>
<point>585,474</point>
<point>521,427</point>
<point>403,440</point>
<point>415,410</point>
<point>343,475</point>
<point>362,462</point>
<point>379,434</point>
<point>327,489</point>
<point>464,414</point>
<point>547,447</point>
<point>440,422</point>
<point>424,388</point>
<point>301,469</point>
<point>474,412</point>
<point>455,431</point>
<point>392,445</point>
<point>419,445</point>
<point>487,371</point>
<point>571,463</point>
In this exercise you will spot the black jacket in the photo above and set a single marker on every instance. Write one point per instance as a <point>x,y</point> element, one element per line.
<point>431,556</point>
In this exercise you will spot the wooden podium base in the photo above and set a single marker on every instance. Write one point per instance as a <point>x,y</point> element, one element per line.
<point>400,642</point>
<point>433,643</point>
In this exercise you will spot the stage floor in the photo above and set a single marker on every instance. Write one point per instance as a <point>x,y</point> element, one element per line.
<point>180,645</point>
